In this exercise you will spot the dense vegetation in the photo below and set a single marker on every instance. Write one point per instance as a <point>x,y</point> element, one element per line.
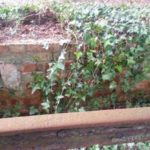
<point>9,14</point>
<point>130,146</point>
<point>110,57</point>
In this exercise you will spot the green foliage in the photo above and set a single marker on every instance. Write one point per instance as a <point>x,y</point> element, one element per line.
<point>129,146</point>
<point>33,111</point>
<point>13,111</point>
<point>10,14</point>
<point>112,44</point>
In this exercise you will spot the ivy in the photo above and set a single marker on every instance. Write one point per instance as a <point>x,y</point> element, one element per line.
<point>112,46</point>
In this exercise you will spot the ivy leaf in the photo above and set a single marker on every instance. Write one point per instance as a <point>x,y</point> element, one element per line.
<point>107,76</point>
<point>78,54</point>
<point>107,44</point>
<point>79,85</point>
<point>119,68</point>
<point>140,49</point>
<point>33,110</point>
<point>60,66</point>
<point>46,105</point>
<point>147,42</point>
<point>59,97</point>
<point>83,98</point>
<point>102,23</point>
<point>35,88</point>
<point>112,85</point>
<point>82,109</point>
<point>130,61</point>
<point>98,62</point>
<point>92,42</point>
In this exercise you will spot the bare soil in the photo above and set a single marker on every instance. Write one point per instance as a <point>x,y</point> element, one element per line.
<point>42,26</point>
<point>35,25</point>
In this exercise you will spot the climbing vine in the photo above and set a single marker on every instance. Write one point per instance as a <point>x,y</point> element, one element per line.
<point>112,44</point>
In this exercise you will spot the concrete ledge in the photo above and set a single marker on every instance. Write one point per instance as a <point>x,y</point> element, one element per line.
<point>74,120</point>
<point>72,130</point>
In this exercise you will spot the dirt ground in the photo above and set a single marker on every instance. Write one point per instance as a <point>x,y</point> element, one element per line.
<point>36,25</point>
<point>48,26</point>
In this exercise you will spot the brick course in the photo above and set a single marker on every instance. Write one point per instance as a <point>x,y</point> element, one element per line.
<point>17,63</point>
<point>28,67</point>
<point>3,49</point>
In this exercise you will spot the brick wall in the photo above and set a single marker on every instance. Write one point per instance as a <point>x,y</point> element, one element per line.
<point>17,63</point>
<point>19,60</point>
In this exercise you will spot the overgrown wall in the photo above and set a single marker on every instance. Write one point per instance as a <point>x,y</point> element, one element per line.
<point>19,60</point>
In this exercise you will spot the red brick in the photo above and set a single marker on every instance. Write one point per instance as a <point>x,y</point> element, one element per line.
<point>34,48</point>
<point>17,48</point>
<point>53,47</point>
<point>27,78</point>
<point>28,67</point>
<point>68,63</point>
<point>44,56</point>
<point>101,93</point>
<point>143,85</point>
<point>46,67</point>
<point>42,67</point>
<point>31,99</point>
<point>3,49</point>
<point>13,101</point>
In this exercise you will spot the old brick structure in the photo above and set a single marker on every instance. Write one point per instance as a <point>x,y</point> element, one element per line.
<point>17,63</point>
<point>18,60</point>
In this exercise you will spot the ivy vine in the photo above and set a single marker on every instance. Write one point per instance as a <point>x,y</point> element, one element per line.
<point>112,44</point>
